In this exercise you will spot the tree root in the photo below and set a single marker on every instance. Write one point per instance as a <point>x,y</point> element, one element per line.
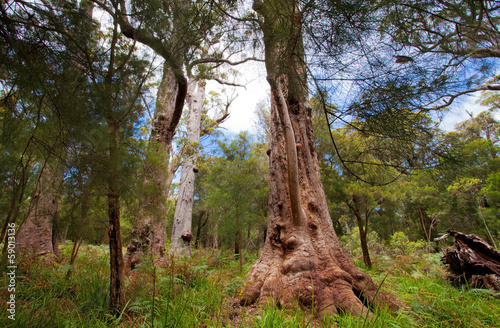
<point>321,286</point>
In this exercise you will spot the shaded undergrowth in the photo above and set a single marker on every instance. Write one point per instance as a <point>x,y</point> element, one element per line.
<point>202,291</point>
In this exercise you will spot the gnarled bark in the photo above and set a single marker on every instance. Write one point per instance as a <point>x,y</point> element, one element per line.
<point>39,232</point>
<point>302,260</point>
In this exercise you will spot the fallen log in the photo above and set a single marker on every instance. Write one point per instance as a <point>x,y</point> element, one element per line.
<point>472,262</point>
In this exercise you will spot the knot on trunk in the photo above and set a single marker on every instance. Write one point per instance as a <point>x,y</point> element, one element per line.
<point>276,235</point>
<point>298,264</point>
<point>186,236</point>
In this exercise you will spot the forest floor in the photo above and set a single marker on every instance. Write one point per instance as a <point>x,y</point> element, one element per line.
<point>202,291</point>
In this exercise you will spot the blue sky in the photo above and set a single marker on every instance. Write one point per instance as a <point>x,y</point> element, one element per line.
<point>242,116</point>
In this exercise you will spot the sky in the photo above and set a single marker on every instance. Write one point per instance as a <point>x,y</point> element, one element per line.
<point>242,112</point>
<point>458,111</point>
<point>253,76</point>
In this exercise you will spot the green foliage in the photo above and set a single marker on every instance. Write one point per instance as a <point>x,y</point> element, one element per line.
<point>351,244</point>
<point>401,245</point>
<point>201,291</point>
<point>492,188</point>
<point>232,188</point>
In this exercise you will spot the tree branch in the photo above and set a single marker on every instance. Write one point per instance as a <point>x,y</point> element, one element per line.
<point>216,79</point>
<point>455,96</point>
<point>224,61</point>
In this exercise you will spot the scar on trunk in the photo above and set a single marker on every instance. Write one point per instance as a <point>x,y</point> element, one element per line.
<point>186,236</point>
<point>277,235</point>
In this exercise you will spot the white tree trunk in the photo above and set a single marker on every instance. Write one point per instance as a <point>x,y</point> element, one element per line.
<point>149,231</point>
<point>181,230</point>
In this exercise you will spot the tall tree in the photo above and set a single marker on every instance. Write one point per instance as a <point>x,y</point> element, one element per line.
<point>175,30</point>
<point>302,259</point>
<point>181,230</point>
<point>52,74</point>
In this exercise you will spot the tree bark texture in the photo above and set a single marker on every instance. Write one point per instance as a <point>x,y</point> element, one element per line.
<point>200,226</point>
<point>116,265</point>
<point>39,232</point>
<point>303,261</point>
<point>363,232</point>
<point>149,233</point>
<point>116,289</point>
<point>472,262</point>
<point>181,230</point>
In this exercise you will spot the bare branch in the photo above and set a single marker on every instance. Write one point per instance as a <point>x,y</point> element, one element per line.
<point>224,61</point>
<point>216,79</point>
<point>455,96</point>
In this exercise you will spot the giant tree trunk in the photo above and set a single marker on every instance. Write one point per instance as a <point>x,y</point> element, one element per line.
<point>181,230</point>
<point>149,232</point>
<point>39,232</point>
<point>303,260</point>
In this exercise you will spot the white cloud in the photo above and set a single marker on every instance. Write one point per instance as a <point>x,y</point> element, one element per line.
<point>242,117</point>
<point>459,111</point>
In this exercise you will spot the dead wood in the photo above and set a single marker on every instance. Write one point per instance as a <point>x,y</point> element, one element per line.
<point>472,262</point>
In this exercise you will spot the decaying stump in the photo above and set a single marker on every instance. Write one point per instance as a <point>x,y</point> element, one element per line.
<point>472,262</point>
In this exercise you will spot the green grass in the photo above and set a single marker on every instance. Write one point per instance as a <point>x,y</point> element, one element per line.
<point>202,291</point>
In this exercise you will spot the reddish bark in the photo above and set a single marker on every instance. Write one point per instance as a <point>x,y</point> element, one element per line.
<point>39,231</point>
<point>302,260</point>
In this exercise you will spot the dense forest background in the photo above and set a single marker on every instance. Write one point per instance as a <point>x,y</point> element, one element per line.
<point>111,135</point>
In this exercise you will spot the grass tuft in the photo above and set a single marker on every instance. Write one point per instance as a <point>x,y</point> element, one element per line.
<point>202,291</point>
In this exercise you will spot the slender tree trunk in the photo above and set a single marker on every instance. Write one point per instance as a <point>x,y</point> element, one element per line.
<point>247,243</point>
<point>303,260</point>
<point>363,231</point>
<point>149,232</point>
<point>200,226</point>
<point>240,255</point>
<point>56,234</point>
<point>39,232</point>
<point>116,288</point>
<point>422,224</point>
<point>215,236</point>
<point>181,230</point>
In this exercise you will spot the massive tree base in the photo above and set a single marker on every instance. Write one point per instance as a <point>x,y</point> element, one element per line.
<point>303,261</point>
<point>144,240</point>
<point>314,276</point>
